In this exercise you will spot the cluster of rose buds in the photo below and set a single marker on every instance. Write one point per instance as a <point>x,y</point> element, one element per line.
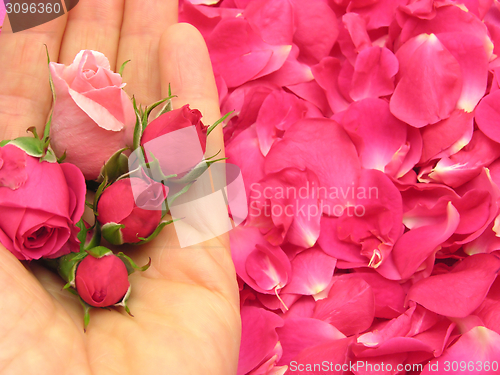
<point>94,127</point>
<point>367,133</point>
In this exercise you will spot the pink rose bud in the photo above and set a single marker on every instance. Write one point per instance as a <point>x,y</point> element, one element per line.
<point>40,203</point>
<point>134,204</point>
<point>102,281</point>
<point>93,117</point>
<point>176,133</point>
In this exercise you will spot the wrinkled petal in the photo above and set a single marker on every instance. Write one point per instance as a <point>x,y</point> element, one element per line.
<point>410,252</point>
<point>239,54</point>
<point>374,73</point>
<point>489,310</point>
<point>334,352</point>
<point>268,268</point>
<point>478,346</point>
<point>258,337</point>
<point>459,292</point>
<point>312,271</point>
<point>488,116</point>
<point>430,82</point>
<point>448,136</point>
<point>389,294</point>
<point>316,29</point>
<point>298,334</point>
<point>304,146</point>
<point>375,132</point>
<point>349,307</point>
<point>326,74</point>
<point>273,20</point>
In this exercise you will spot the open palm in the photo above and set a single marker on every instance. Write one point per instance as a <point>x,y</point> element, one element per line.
<point>186,311</point>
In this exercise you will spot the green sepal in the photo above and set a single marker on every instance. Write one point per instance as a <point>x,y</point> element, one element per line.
<point>96,238</point>
<point>212,127</point>
<point>194,173</point>
<point>166,108</point>
<point>153,235</point>
<point>98,193</point>
<point>70,289</point>
<point>112,233</point>
<point>213,156</point>
<point>124,300</point>
<point>99,251</point>
<point>215,161</point>
<point>122,68</point>
<point>32,130</point>
<point>138,126</point>
<point>173,197</point>
<point>4,142</point>
<point>32,146</point>
<point>82,235</point>
<point>51,82</point>
<point>154,166</point>
<point>46,129</point>
<point>63,156</point>
<point>67,266</point>
<point>153,106</point>
<point>86,313</point>
<point>130,264</point>
<point>168,105</point>
<point>116,166</point>
<point>49,156</point>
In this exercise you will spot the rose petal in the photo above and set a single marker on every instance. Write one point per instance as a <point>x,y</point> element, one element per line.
<point>459,292</point>
<point>374,73</point>
<point>298,334</point>
<point>258,337</point>
<point>409,252</point>
<point>312,271</point>
<point>350,305</point>
<point>478,347</point>
<point>375,132</point>
<point>430,82</point>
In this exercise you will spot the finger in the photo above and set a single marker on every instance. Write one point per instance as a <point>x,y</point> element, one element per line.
<point>53,284</point>
<point>185,65</point>
<point>94,25</point>
<point>28,314</point>
<point>24,76</point>
<point>143,26</point>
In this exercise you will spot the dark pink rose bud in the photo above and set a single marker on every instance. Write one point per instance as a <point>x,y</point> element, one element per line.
<point>175,120</point>
<point>177,139</point>
<point>130,208</point>
<point>102,281</point>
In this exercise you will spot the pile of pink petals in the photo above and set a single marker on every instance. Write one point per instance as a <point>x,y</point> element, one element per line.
<point>368,135</point>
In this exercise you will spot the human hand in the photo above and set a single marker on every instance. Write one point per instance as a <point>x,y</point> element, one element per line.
<point>186,309</point>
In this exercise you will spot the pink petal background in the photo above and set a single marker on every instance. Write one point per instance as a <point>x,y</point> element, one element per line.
<point>337,98</point>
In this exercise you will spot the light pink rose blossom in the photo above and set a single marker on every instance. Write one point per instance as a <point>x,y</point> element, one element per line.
<point>92,116</point>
